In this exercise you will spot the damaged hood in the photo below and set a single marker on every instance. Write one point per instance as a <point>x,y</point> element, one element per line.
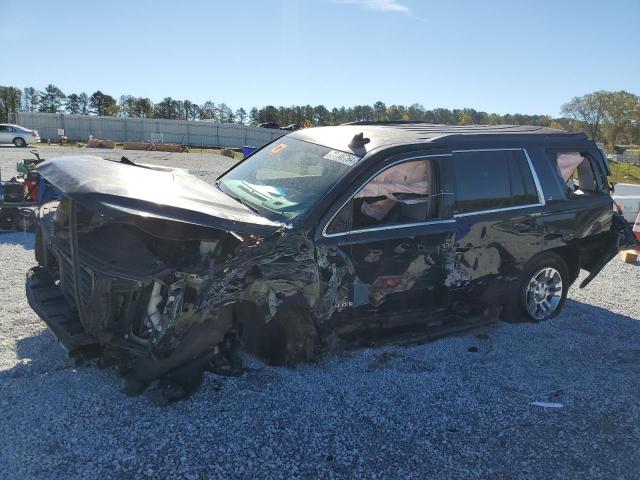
<point>151,191</point>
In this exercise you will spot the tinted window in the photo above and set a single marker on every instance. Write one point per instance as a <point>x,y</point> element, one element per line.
<point>4,128</point>
<point>491,180</point>
<point>482,181</point>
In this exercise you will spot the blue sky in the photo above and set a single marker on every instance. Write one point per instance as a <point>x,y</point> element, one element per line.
<point>493,55</point>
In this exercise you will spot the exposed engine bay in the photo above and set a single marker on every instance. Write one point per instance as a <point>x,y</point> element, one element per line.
<point>159,295</point>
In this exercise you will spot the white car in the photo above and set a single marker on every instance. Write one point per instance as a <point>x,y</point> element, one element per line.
<point>627,196</point>
<point>19,136</point>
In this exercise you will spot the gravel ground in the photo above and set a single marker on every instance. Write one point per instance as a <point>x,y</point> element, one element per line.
<point>437,410</point>
<point>202,164</point>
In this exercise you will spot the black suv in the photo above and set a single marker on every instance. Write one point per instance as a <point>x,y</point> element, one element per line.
<point>327,237</point>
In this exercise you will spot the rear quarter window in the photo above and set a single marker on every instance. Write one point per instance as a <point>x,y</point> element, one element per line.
<point>579,173</point>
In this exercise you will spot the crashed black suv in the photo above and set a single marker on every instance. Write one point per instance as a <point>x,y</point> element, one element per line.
<point>326,238</point>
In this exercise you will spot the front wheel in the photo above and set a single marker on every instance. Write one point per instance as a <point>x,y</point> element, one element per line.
<point>542,290</point>
<point>19,142</point>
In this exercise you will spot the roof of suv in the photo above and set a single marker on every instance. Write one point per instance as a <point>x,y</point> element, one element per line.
<point>399,133</point>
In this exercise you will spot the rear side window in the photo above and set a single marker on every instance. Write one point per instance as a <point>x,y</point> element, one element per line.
<point>492,180</point>
<point>577,174</point>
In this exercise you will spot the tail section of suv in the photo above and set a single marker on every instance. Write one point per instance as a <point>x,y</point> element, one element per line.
<point>327,237</point>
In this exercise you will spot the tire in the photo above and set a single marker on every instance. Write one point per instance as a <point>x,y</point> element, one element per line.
<point>542,290</point>
<point>43,257</point>
<point>25,220</point>
<point>19,142</point>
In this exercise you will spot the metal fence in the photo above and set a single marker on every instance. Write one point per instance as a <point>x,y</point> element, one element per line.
<point>195,134</point>
<point>628,157</point>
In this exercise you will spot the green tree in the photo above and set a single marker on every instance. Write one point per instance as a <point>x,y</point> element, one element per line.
<point>51,99</point>
<point>102,104</point>
<point>620,108</point>
<point>225,114</point>
<point>268,114</point>
<point>379,111</point>
<point>73,104</point>
<point>208,110</point>
<point>83,102</point>
<point>590,109</point>
<point>241,116</point>
<point>10,101</point>
<point>31,99</point>
<point>126,104</point>
<point>321,115</point>
<point>142,108</point>
<point>466,117</point>
<point>167,108</point>
<point>191,110</point>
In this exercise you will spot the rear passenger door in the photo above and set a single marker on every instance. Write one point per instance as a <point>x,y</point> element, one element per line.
<point>497,207</point>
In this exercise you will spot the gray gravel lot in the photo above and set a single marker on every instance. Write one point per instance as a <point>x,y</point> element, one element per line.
<point>204,165</point>
<point>435,410</point>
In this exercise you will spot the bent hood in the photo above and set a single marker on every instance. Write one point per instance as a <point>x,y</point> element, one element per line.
<point>151,191</point>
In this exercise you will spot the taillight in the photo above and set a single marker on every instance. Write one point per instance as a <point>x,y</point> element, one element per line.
<point>35,133</point>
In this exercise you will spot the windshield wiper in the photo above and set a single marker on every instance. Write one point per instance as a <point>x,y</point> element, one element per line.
<point>250,206</point>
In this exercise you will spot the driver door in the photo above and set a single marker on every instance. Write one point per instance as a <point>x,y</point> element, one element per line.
<point>396,242</point>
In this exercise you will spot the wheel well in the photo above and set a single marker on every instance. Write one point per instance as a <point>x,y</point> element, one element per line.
<point>571,257</point>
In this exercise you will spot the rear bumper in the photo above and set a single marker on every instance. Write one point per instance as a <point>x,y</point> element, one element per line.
<point>47,300</point>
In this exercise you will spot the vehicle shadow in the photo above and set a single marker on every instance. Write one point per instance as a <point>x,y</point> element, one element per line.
<point>599,320</point>
<point>589,324</point>
<point>37,354</point>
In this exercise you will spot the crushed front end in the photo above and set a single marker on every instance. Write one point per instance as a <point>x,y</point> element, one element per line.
<point>128,289</point>
<point>146,268</point>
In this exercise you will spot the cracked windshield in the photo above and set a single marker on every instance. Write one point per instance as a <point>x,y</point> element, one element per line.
<point>284,179</point>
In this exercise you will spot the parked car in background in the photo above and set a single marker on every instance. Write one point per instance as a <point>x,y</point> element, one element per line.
<point>292,128</point>
<point>273,125</point>
<point>323,239</point>
<point>19,136</point>
<point>627,196</point>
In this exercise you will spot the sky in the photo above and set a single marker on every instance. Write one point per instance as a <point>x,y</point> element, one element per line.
<point>503,56</point>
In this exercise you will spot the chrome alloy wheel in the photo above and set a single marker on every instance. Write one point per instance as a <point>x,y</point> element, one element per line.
<point>543,293</point>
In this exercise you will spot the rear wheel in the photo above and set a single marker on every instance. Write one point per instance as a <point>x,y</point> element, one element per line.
<point>542,290</point>
<point>19,142</point>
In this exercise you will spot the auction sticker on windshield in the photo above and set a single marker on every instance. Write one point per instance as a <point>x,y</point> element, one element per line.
<point>277,148</point>
<point>342,157</point>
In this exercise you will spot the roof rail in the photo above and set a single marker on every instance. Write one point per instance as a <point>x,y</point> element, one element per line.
<point>385,122</point>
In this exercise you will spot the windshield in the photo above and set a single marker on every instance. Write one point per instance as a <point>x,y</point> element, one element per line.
<point>284,179</point>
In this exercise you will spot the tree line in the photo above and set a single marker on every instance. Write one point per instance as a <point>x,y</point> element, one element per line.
<point>611,117</point>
